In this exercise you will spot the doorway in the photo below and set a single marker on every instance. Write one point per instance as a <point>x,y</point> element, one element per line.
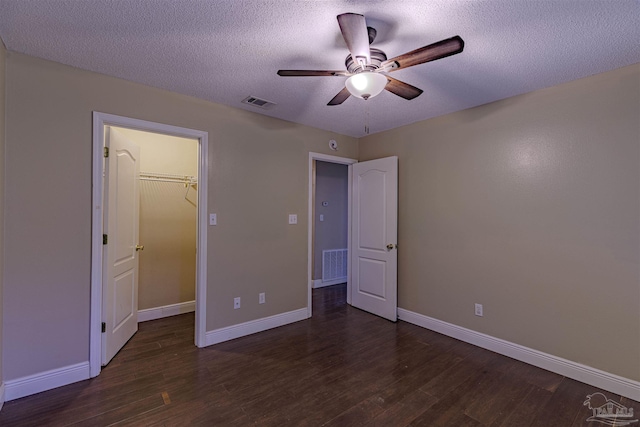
<point>195,196</point>
<point>330,231</point>
<point>314,265</point>
<point>168,183</point>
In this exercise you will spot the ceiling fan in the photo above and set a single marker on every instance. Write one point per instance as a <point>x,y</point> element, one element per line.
<point>367,67</point>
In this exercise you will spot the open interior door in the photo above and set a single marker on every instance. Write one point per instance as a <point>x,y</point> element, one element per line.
<point>374,257</point>
<point>120,281</point>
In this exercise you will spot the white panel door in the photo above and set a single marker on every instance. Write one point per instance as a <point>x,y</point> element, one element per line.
<point>120,281</point>
<point>374,257</point>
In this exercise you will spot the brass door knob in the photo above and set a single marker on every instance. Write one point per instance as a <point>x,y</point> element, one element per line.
<point>391,246</point>
<point>139,248</point>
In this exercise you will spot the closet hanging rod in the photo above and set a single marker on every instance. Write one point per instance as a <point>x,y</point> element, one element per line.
<point>165,177</point>
<point>187,180</point>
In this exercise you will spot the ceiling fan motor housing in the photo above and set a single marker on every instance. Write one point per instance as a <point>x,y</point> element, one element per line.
<point>377,57</point>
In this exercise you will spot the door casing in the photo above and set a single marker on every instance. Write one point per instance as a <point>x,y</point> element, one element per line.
<point>329,159</point>
<point>100,120</point>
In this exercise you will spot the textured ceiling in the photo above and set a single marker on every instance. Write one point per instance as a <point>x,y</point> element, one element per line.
<point>224,51</point>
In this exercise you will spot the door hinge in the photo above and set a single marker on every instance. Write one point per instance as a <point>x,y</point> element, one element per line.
<point>105,238</point>
<point>106,151</point>
<point>104,327</point>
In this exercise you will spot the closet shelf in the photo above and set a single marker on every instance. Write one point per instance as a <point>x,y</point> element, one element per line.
<point>189,181</point>
<point>167,177</point>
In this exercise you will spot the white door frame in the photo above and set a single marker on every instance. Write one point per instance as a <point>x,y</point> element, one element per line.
<point>329,159</point>
<point>100,120</point>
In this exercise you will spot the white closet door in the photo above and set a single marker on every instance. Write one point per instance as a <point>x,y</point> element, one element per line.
<point>120,282</point>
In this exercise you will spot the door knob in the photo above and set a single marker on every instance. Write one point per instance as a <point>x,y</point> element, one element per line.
<point>391,246</point>
<point>139,248</point>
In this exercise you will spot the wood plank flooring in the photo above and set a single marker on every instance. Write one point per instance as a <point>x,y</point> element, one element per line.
<point>343,367</point>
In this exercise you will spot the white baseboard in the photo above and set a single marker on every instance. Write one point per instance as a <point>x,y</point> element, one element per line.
<point>586,374</point>
<point>1,395</point>
<point>318,283</point>
<point>43,381</point>
<point>254,326</point>
<point>166,311</point>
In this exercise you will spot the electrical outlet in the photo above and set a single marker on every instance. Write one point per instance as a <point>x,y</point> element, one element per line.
<point>479,310</point>
<point>293,218</point>
<point>236,303</point>
<point>261,298</point>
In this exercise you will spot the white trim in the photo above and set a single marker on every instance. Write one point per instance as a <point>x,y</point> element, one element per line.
<point>201,243</point>
<point>586,374</point>
<point>318,283</point>
<point>43,381</point>
<point>2,395</point>
<point>166,311</point>
<point>99,121</point>
<point>254,326</point>
<point>349,226</point>
<point>310,221</point>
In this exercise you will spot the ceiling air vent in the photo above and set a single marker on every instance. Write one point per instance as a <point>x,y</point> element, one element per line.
<point>257,102</point>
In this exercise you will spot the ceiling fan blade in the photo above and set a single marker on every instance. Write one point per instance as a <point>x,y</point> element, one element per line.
<point>354,31</point>
<point>340,97</point>
<point>311,73</point>
<point>402,89</point>
<point>434,51</point>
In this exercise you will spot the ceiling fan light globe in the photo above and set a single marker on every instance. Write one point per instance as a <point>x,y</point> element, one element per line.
<point>366,85</point>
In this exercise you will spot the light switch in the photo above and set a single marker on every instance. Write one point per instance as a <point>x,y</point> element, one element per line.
<point>293,219</point>
<point>213,219</point>
<point>321,217</point>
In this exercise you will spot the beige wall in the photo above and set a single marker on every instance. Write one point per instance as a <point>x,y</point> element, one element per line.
<point>257,176</point>
<point>529,206</point>
<point>168,213</point>
<point>3,54</point>
<point>331,186</point>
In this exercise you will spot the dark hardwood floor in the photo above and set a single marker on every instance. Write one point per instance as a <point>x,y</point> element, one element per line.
<point>343,367</point>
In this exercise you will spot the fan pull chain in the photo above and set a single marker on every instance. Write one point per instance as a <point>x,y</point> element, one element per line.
<point>366,120</point>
